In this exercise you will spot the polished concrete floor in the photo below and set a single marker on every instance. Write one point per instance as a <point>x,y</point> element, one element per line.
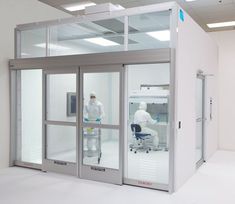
<point>212,184</point>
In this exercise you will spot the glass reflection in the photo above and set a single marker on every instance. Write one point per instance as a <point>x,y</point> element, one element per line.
<point>101,147</point>
<point>148,99</point>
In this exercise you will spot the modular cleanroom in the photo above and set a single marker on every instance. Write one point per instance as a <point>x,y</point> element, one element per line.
<point>124,97</point>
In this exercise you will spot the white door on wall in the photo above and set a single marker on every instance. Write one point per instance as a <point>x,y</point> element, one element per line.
<point>200,119</point>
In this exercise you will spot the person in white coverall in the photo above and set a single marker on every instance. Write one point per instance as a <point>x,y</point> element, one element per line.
<point>93,113</point>
<point>94,110</point>
<point>143,118</point>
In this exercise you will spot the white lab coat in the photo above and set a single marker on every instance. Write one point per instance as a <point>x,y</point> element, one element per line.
<point>143,118</point>
<point>94,110</point>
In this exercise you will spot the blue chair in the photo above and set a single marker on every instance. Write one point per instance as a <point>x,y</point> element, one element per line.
<point>141,139</point>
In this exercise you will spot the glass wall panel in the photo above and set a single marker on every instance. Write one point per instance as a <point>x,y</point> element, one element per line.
<point>29,116</point>
<point>145,31</point>
<point>101,147</point>
<point>148,123</point>
<point>149,31</point>
<point>61,97</point>
<point>88,37</point>
<point>33,43</point>
<point>61,143</point>
<point>105,88</point>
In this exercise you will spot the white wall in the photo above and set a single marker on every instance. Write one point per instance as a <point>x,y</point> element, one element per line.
<point>14,12</point>
<point>226,44</point>
<point>195,51</point>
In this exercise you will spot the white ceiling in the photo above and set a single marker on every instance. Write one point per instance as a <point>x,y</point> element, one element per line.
<point>202,11</point>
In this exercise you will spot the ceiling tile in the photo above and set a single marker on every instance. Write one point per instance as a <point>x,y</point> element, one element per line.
<point>216,13</point>
<point>208,3</point>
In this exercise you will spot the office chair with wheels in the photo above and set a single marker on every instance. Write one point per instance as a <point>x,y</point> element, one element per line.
<point>141,140</point>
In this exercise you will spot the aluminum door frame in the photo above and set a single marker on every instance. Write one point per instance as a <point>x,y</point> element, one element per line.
<point>202,77</point>
<point>58,166</point>
<point>95,172</point>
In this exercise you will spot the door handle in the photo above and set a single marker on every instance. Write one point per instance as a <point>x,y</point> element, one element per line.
<point>200,119</point>
<point>211,103</point>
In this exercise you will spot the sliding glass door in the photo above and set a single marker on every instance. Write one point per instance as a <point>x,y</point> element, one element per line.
<point>101,131</point>
<point>60,120</point>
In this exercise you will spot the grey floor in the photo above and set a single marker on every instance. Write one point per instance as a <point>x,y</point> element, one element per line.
<point>212,184</point>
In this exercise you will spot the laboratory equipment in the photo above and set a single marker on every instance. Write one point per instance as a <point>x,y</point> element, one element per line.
<point>157,100</point>
<point>92,146</point>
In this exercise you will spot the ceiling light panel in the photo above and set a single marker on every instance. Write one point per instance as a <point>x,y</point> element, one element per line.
<point>163,35</point>
<point>221,24</point>
<point>53,46</point>
<point>78,6</point>
<point>101,41</point>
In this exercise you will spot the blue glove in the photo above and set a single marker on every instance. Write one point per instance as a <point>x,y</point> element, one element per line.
<point>86,119</point>
<point>98,119</point>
